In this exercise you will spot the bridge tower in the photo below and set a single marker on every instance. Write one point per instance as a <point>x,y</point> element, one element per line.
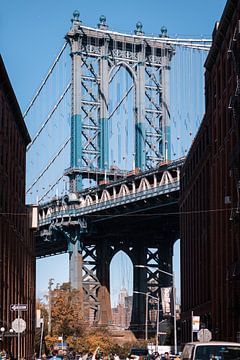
<point>97,54</point>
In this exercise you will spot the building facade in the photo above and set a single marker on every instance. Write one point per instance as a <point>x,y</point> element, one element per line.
<point>121,314</point>
<point>17,257</point>
<point>210,190</point>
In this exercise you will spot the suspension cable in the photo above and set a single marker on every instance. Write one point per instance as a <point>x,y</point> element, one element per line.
<point>120,102</point>
<point>45,80</point>
<point>49,164</point>
<point>47,192</point>
<point>49,117</point>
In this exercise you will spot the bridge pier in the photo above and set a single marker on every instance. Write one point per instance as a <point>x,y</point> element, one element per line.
<point>75,277</point>
<point>103,274</point>
<point>138,318</point>
<point>75,265</point>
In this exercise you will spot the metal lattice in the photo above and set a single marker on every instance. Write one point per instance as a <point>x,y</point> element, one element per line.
<point>97,56</point>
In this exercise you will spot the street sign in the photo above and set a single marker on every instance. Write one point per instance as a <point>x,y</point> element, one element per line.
<point>195,323</point>
<point>19,325</point>
<point>18,307</point>
<point>204,335</point>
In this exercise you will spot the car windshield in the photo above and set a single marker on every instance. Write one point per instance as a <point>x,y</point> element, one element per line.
<point>217,352</point>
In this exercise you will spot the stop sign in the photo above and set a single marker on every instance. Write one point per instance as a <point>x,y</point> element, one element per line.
<point>204,335</point>
<point>19,325</point>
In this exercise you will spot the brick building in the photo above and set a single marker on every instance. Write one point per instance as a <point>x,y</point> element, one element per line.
<point>17,258</point>
<point>210,190</point>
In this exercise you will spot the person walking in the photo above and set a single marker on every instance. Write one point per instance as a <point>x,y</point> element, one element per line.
<point>166,356</point>
<point>55,356</point>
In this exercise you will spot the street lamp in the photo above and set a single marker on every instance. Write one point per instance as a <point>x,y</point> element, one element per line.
<point>174,301</point>
<point>146,314</point>
<point>4,333</point>
<point>2,329</point>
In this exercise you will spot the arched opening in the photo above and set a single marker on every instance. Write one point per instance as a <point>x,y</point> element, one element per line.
<point>121,118</point>
<point>121,289</point>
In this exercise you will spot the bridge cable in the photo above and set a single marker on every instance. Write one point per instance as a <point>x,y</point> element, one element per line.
<point>120,102</point>
<point>113,76</point>
<point>45,80</point>
<point>49,117</point>
<point>52,187</point>
<point>49,164</point>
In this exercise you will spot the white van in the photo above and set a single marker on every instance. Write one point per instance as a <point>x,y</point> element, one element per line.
<point>217,350</point>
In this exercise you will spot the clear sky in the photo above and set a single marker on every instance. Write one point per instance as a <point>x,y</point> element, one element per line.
<point>32,33</point>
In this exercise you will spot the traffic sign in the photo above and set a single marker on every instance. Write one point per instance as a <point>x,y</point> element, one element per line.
<point>19,325</point>
<point>18,307</point>
<point>204,335</point>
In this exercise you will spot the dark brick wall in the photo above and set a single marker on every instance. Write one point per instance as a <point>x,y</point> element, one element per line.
<point>17,253</point>
<point>210,245</point>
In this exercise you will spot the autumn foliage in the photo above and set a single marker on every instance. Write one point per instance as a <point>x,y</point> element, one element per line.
<point>67,323</point>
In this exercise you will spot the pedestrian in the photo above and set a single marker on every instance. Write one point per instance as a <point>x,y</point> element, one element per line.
<point>166,356</point>
<point>79,356</point>
<point>3,354</point>
<point>55,355</point>
<point>89,356</point>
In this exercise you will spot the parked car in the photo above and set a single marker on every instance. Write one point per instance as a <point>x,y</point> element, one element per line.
<point>217,350</point>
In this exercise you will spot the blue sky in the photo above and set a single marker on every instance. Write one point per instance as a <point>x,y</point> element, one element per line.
<point>32,33</point>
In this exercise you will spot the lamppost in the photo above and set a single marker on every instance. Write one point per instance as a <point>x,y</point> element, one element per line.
<point>4,333</point>
<point>146,313</point>
<point>50,283</point>
<point>174,301</point>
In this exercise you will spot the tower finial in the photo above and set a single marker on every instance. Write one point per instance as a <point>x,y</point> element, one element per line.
<point>102,22</point>
<point>138,30</point>
<point>76,15</point>
<point>163,31</point>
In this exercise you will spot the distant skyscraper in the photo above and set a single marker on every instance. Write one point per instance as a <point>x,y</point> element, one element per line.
<point>121,297</point>
<point>122,313</point>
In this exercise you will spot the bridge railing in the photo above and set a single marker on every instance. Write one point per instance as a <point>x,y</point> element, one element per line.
<point>109,197</point>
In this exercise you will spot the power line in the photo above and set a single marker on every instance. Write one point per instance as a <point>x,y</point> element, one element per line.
<point>137,215</point>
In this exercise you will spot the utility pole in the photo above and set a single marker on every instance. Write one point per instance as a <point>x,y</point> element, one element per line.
<point>50,283</point>
<point>146,318</point>
<point>174,303</point>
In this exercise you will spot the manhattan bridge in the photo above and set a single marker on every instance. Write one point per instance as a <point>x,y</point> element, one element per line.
<point>110,126</point>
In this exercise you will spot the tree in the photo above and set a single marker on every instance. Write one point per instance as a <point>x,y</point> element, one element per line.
<point>63,312</point>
